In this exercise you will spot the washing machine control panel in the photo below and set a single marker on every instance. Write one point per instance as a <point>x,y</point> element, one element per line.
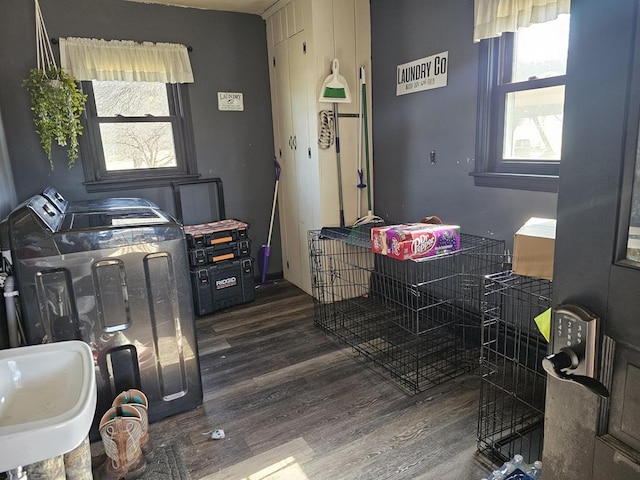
<point>46,212</point>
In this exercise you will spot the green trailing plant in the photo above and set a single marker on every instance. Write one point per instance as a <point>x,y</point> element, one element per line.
<point>57,102</point>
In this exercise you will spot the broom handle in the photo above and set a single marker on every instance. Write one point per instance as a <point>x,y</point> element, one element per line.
<point>275,197</point>
<point>340,199</point>
<point>366,141</point>
<point>358,189</point>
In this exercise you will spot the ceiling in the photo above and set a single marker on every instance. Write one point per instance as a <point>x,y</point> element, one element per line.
<point>244,6</point>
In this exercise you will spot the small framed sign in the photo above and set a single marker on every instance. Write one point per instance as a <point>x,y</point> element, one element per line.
<point>424,74</point>
<point>230,101</point>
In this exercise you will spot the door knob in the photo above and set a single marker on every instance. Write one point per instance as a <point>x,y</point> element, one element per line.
<point>566,359</point>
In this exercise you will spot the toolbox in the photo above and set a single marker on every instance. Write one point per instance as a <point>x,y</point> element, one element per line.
<point>202,294</point>
<point>217,253</point>
<point>221,268</point>
<point>215,233</point>
<point>223,285</point>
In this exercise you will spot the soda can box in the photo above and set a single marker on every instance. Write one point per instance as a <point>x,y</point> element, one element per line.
<point>379,238</point>
<point>410,242</point>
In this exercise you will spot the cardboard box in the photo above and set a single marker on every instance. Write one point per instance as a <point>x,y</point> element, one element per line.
<point>419,240</point>
<point>533,248</point>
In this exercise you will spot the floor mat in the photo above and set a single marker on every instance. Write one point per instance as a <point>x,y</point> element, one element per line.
<point>167,464</point>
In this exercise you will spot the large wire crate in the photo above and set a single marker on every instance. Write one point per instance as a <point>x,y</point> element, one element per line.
<point>513,382</point>
<point>417,319</point>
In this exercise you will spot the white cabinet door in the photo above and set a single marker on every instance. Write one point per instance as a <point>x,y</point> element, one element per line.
<point>279,23</point>
<point>286,22</point>
<point>288,206</point>
<point>294,15</point>
<point>305,167</point>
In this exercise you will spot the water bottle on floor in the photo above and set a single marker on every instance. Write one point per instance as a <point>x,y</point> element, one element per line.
<point>517,469</point>
<point>518,462</point>
<point>496,475</point>
<point>535,470</point>
<point>503,472</point>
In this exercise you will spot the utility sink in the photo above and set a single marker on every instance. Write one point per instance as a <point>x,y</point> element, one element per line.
<point>47,401</point>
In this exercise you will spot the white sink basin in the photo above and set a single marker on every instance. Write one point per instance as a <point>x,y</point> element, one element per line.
<point>47,401</point>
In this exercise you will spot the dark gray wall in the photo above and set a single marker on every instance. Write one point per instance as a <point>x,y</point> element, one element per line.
<point>406,128</point>
<point>229,54</point>
<point>7,191</point>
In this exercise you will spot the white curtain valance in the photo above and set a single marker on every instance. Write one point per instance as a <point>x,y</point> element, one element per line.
<point>92,59</point>
<point>493,17</point>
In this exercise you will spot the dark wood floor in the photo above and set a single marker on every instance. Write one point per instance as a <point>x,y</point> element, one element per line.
<point>294,404</point>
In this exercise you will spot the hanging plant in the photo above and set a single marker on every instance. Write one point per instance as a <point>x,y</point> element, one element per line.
<point>57,104</point>
<point>56,99</point>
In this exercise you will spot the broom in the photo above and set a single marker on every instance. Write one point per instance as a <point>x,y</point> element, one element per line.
<point>369,217</point>
<point>265,250</point>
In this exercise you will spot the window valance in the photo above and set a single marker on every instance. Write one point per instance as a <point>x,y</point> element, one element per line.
<point>493,17</point>
<point>93,59</point>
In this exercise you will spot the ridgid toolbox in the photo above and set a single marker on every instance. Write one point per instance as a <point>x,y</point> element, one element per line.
<point>222,285</point>
<point>199,257</point>
<point>219,251</point>
<point>221,268</point>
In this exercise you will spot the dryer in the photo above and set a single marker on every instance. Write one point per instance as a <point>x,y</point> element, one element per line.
<point>117,279</point>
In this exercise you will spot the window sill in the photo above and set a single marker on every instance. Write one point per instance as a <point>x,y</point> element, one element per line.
<point>516,181</point>
<point>131,183</point>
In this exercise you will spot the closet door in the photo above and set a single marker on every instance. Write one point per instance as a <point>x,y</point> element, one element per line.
<point>305,169</point>
<point>278,23</point>
<point>295,17</point>
<point>288,204</point>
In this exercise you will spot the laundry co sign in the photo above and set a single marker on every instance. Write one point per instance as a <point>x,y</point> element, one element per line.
<point>424,74</point>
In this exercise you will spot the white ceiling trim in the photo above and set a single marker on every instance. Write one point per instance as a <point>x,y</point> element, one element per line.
<point>256,7</point>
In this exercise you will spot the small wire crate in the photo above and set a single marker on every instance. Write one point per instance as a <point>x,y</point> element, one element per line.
<point>513,382</point>
<point>419,320</point>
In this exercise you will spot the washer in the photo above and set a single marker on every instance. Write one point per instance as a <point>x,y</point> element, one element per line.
<point>117,279</point>
<point>64,206</point>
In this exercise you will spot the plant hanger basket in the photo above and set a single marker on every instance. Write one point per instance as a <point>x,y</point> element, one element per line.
<point>57,102</point>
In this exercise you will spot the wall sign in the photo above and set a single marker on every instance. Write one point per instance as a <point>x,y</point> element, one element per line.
<point>424,74</point>
<point>230,101</point>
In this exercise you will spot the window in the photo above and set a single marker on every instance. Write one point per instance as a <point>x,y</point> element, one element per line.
<point>520,107</point>
<point>138,134</point>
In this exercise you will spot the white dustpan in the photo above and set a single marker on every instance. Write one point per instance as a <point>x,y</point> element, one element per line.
<point>335,88</point>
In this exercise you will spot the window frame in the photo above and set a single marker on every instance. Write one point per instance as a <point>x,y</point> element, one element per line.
<point>494,75</point>
<point>98,178</point>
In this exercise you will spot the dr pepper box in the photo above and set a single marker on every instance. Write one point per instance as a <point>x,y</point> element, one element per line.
<point>418,240</point>
<point>379,238</point>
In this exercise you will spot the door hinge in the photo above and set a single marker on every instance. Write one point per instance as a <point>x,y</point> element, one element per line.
<point>304,47</point>
<point>280,153</point>
<point>274,61</point>
<point>287,264</point>
<point>309,151</point>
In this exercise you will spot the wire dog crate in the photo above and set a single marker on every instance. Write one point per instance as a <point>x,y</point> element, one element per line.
<point>513,383</point>
<point>419,320</point>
